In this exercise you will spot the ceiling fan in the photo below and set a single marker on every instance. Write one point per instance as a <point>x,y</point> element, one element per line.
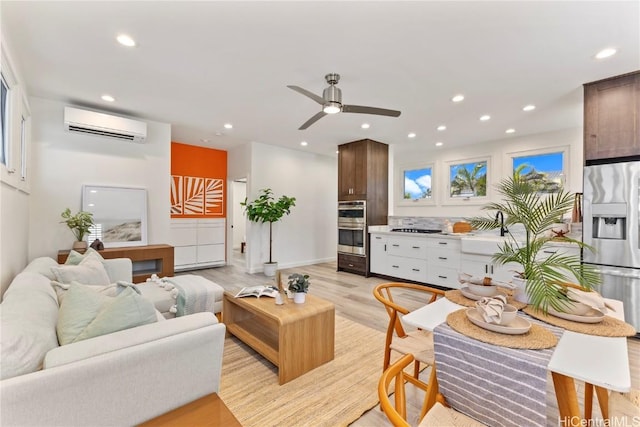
<point>331,101</point>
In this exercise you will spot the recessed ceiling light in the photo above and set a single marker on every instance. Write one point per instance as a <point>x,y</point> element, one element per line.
<point>485,118</point>
<point>228,126</point>
<point>125,40</point>
<point>457,98</point>
<point>510,130</point>
<point>439,144</point>
<point>365,126</point>
<point>529,107</point>
<point>108,98</point>
<point>411,135</point>
<point>442,127</point>
<point>204,140</point>
<point>605,53</point>
<point>304,143</point>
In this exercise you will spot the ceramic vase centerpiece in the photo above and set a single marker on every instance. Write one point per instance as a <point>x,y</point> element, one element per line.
<point>299,285</point>
<point>266,209</point>
<point>542,279</point>
<point>79,224</point>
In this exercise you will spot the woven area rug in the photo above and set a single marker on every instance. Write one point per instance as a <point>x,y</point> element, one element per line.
<point>334,394</point>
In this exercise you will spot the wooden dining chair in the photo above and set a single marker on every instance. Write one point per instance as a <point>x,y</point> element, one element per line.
<point>418,342</point>
<point>439,415</point>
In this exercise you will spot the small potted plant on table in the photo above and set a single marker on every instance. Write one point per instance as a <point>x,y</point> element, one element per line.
<point>79,224</point>
<point>299,285</point>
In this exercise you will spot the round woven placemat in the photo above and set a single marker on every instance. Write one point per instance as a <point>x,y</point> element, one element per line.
<point>537,337</point>
<point>457,297</point>
<point>609,327</point>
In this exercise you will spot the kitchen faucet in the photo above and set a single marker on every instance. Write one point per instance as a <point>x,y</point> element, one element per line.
<point>503,229</point>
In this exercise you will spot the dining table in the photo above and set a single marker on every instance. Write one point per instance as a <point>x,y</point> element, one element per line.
<point>598,360</point>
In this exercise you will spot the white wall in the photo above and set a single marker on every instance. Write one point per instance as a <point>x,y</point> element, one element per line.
<point>62,162</point>
<point>308,234</point>
<point>500,165</point>
<point>14,232</point>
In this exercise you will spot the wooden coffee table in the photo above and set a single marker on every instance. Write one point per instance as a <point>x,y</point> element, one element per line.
<point>295,337</point>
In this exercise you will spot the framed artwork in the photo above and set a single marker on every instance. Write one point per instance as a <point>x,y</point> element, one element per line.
<point>547,168</point>
<point>467,180</point>
<point>416,184</point>
<point>119,215</point>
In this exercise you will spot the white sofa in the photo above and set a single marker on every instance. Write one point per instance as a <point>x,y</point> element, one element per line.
<point>118,379</point>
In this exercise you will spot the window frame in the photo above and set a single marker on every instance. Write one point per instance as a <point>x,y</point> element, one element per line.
<point>468,200</point>
<point>564,149</point>
<point>400,179</point>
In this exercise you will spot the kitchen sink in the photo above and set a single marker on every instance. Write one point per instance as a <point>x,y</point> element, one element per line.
<point>481,245</point>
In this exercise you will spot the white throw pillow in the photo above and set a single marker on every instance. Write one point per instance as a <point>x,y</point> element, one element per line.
<point>90,271</point>
<point>85,314</point>
<point>111,290</point>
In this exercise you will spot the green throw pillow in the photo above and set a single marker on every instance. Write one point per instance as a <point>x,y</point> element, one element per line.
<point>75,258</point>
<point>85,313</point>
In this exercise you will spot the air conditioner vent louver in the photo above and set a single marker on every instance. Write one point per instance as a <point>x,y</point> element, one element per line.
<point>100,132</point>
<point>104,125</point>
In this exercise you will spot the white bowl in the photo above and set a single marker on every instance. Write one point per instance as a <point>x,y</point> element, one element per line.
<point>508,314</point>
<point>482,290</point>
<point>575,308</point>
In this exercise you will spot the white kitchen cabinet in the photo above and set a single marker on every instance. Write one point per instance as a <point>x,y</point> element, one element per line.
<point>482,265</point>
<point>379,263</point>
<point>443,262</point>
<point>199,243</point>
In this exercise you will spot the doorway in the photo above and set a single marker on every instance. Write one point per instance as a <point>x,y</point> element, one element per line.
<point>238,223</point>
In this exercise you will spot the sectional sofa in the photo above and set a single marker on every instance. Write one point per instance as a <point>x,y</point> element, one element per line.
<point>121,378</point>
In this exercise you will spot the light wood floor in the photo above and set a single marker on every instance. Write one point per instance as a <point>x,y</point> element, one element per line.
<point>353,299</point>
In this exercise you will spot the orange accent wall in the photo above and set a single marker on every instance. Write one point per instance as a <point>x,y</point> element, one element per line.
<point>198,182</point>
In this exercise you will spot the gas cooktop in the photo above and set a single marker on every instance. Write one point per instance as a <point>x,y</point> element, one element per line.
<point>416,230</point>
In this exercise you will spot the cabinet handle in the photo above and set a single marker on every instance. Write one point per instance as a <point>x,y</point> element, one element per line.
<point>378,238</point>
<point>385,247</point>
<point>442,257</point>
<point>415,269</point>
<point>486,268</point>
<point>442,243</point>
<point>395,266</point>
<point>395,246</point>
<point>415,247</point>
<point>549,252</point>
<point>443,277</point>
<point>492,269</point>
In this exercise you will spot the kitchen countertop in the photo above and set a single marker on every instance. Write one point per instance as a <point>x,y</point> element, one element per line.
<point>386,229</point>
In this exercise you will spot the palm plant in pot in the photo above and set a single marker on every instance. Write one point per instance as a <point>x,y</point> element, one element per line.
<point>545,277</point>
<point>79,224</point>
<point>267,209</point>
<point>299,285</point>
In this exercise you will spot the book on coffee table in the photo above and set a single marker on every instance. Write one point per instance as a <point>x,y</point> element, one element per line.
<point>257,291</point>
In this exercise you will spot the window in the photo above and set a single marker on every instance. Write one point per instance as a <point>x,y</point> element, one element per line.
<point>416,184</point>
<point>468,179</point>
<point>4,120</point>
<point>23,148</point>
<point>545,168</point>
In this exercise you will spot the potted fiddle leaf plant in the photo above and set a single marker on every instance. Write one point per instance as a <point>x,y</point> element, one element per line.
<point>79,224</point>
<point>544,277</point>
<point>267,209</point>
<point>299,285</point>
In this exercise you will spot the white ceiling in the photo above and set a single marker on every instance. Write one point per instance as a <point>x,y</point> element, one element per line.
<point>199,65</point>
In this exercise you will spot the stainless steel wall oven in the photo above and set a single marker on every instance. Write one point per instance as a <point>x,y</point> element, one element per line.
<point>352,227</point>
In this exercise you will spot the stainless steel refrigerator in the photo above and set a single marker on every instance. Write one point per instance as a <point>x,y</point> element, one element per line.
<point>611,226</point>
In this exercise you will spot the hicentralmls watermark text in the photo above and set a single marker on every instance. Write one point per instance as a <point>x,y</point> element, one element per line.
<point>611,422</point>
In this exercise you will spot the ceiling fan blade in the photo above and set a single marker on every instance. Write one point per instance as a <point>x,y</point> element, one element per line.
<point>312,120</point>
<point>369,110</point>
<point>305,92</point>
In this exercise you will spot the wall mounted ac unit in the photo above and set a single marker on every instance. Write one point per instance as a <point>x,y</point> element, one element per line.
<point>105,125</point>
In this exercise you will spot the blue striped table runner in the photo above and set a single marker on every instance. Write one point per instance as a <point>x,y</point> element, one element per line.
<point>498,386</point>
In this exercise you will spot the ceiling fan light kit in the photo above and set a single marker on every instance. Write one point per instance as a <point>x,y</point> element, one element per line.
<point>331,102</point>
